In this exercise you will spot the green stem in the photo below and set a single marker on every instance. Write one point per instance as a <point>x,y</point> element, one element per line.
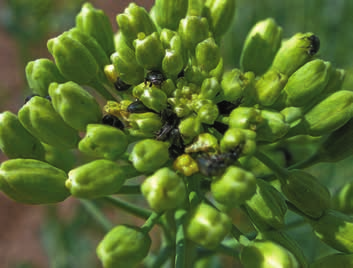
<point>96,214</point>
<point>161,257</point>
<point>130,189</point>
<point>151,221</point>
<point>280,172</point>
<point>180,255</point>
<point>135,210</point>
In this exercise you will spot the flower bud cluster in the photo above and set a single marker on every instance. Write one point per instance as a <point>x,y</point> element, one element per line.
<point>174,116</point>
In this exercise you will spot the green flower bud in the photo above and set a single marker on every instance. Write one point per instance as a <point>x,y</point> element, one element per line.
<point>123,246</point>
<point>307,82</point>
<point>235,137</point>
<point>284,240</point>
<point>103,141</point>
<point>98,178</point>
<point>321,120</point>
<point>186,165</point>
<point>292,115</point>
<point>235,83</point>
<point>335,229</point>
<point>267,207</point>
<point>260,46</point>
<point>166,36</point>
<point>167,14</point>
<point>205,142</point>
<point>208,113</point>
<point>193,30</point>
<point>272,127</point>
<point>32,181</point>
<point>206,226</point>
<point>333,260</point>
<point>245,117</point>
<point>268,88</point>
<point>154,98</point>
<point>189,128</point>
<point>207,54</point>
<point>75,105</point>
<point>267,254</point>
<point>16,141</point>
<point>126,65</point>
<point>149,51</point>
<point>95,23</point>
<point>43,122</point>
<point>306,193</point>
<point>234,187</point>
<point>295,52</point>
<point>133,21</point>
<point>40,73</point>
<point>60,158</point>
<point>172,63</point>
<point>164,190</point>
<point>168,87</point>
<point>144,124</point>
<point>148,155</point>
<point>343,199</point>
<point>220,14</point>
<point>194,74</point>
<point>209,88</point>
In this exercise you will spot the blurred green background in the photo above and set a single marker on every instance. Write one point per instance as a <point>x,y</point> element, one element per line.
<point>65,236</point>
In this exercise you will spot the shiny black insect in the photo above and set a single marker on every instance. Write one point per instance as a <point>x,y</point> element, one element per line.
<point>154,78</point>
<point>120,85</point>
<point>113,121</point>
<point>138,107</point>
<point>34,95</point>
<point>314,46</point>
<point>215,165</point>
<point>226,107</point>
<point>170,132</point>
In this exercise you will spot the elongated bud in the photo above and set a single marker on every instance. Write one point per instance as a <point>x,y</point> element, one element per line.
<point>235,84</point>
<point>307,82</point>
<point>314,197</point>
<point>167,14</point>
<point>190,127</point>
<point>126,65</point>
<point>149,51</point>
<point>245,117</point>
<point>32,181</point>
<point>95,23</point>
<point>144,124</point>
<point>98,178</point>
<point>75,105</point>
<point>220,14</point>
<point>267,207</point>
<point>260,46</point>
<point>193,30</point>
<point>295,52</point>
<point>268,88</point>
<point>207,226</point>
<point>235,137</point>
<point>234,187</point>
<point>123,246</point>
<point>342,236</point>
<point>148,155</point>
<point>272,127</point>
<point>208,113</point>
<point>133,21</point>
<point>40,73</point>
<point>267,254</point>
<point>42,121</point>
<point>103,141</point>
<point>60,158</point>
<point>207,54</point>
<point>333,260</point>
<point>210,88</point>
<point>321,120</point>
<point>343,199</point>
<point>172,63</point>
<point>16,141</point>
<point>164,190</point>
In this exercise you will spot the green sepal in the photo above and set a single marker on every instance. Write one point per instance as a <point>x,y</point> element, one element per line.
<point>207,54</point>
<point>75,105</point>
<point>190,127</point>
<point>60,158</point>
<point>172,63</point>
<point>154,98</point>
<point>103,141</point>
<point>167,14</point>
<point>32,181</point>
<point>16,141</point>
<point>40,73</point>
<point>98,178</point>
<point>193,30</point>
<point>243,138</point>
<point>260,46</point>
<point>144,125</point>
<point>95,23</point>
<point>272,126</point>
<point>43,122</point>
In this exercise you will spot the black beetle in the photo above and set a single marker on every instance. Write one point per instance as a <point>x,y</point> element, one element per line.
<point>112,120</point>
<point>138,107</point>
<point>314,46</point>
<point>120,85</point>
<point>154,78</point>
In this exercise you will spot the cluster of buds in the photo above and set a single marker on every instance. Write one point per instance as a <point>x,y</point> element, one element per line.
<point>161,107</point>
